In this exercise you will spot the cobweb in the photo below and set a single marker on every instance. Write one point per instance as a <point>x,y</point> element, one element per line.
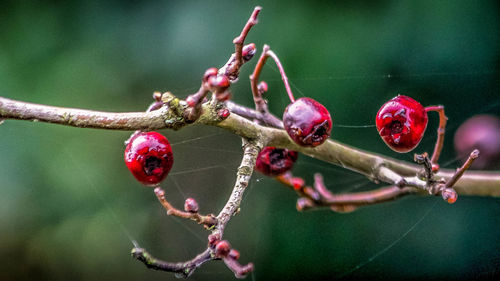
<point>208,159</point>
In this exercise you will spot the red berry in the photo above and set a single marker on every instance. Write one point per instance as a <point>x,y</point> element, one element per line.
<point>149,157</point>
<point>273,161</point>
<point>222,249</point>
<point>481,132</point>
<point>248,52</point>
<point>190,205</point>
<point>401,122</point>
<point>209,73</point>
<point>307,122</point>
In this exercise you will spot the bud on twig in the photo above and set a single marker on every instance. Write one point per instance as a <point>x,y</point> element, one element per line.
<point>190,205</point>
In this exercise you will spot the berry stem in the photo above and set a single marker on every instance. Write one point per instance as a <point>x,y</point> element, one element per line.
<point>260,103</point>
<point>207,220</point>
<point>440,135</point>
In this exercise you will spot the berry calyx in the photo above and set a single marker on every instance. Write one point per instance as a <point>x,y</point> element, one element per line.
<point>401,123</point>
<point>307,122</point>
<point>273,161</point>
<point>149,157</point>
<point>222,249</point>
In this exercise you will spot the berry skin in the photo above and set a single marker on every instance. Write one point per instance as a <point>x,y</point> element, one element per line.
<point>149,157</point>
<point>273,161</point>
<point>222,249</point>
<point>307,122</point>
<point>401,123</point>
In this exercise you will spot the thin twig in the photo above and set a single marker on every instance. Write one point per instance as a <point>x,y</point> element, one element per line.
<point>182,269</point>
<point>206,220</point>
<point>460,171</point>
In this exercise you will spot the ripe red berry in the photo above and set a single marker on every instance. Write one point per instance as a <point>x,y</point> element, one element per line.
<point>222,249</point>
<point>273,161</point>
<point>307,122</point>
<point>401,122</point>
<point>149,157</point>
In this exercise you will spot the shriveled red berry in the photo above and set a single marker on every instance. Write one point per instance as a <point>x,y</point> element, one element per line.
<point>273,161</point>
<point>149,157</point>
<point>307,122</point>
<point>190,205</point>
<point>248,52</point>
<point>480,132</point>
<point>222,249</point>
<point>401,122</point>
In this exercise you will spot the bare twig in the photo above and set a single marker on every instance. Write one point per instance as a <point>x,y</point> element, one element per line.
<point>460,171</point>
<point>181,269</point>
<point>206,220</point>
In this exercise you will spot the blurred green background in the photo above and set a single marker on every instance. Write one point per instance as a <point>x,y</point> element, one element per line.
<point>69,208</point>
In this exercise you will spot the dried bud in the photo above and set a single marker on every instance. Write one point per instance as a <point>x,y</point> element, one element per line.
<point>218,83</point>
<point>209,73</point>
<point>190,205</point>
<point>449,195</point>
<point>222,249</point>
<point>223,96</point>
<point>298,183</point>
<point>262,87</point>
<point>248,52</point>
<point>157,96</point>
<point>235,255</point>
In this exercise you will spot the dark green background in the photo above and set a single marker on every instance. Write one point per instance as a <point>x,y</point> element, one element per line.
<point>67,200</point>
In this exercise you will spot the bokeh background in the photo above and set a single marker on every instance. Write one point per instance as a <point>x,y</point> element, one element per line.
<point>69,208</point>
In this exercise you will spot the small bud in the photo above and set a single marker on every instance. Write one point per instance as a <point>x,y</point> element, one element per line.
<point>209,73</point>
<point>262,87</point>
<point>297,183</point>
<point>222,249</point>
<point>219,83</point>
<point>235,255</point>
<point>223,113</point>
<point>213,239</point>
<point>248,52</point>
<point>449,195</point>
<point>191,101</point>
<point>190,205</point>
<point>157,96</point>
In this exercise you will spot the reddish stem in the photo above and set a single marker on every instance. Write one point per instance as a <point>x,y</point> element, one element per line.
<point>260,103</point>
<point>440,135</point>
<point>240,40</point>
